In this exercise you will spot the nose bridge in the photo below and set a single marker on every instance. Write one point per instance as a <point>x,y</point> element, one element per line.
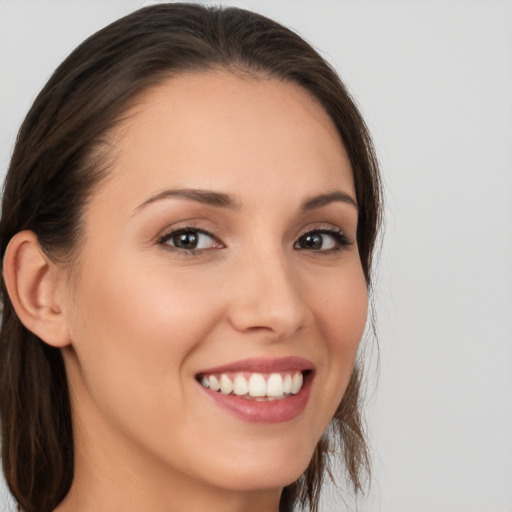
<point>268,294</point>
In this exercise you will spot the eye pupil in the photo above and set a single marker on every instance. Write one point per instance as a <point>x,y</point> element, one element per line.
<point>186,240</point>
<point>312,241</point>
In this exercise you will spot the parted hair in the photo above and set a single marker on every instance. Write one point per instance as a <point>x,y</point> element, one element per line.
<point>60,156</point>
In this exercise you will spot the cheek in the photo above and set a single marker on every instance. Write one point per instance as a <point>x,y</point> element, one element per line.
<point>136,335</point>
<point>342,311</point>
<point>341,305</point>
<point>347,313</point>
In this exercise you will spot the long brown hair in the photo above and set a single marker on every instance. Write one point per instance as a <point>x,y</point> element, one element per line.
<point>59,158</point>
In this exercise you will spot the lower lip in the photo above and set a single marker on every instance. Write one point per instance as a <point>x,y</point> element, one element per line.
<point>274,411</point>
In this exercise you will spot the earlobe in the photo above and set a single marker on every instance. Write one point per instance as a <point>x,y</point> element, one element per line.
<point>32,282</point>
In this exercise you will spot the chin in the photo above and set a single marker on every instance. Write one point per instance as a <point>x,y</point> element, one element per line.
<point>273,471</point>
<point>275,477</point>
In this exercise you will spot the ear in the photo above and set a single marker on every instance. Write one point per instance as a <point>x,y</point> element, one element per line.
<point>32,283</point>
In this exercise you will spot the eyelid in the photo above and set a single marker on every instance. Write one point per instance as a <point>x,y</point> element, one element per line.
<point>174,230</point>
<point>342,239</point>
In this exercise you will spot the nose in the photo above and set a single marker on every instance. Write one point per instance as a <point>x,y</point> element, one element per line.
<point>267,297</point>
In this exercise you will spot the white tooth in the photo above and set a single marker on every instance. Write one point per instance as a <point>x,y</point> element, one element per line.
<point>275,385</point>
<point>287,384</point>
<point>205,382</point>
<point>297,383</point>
<point>257,385</point>
<point>226,385</point>
<point>214,383</point>
<point>240,385</point>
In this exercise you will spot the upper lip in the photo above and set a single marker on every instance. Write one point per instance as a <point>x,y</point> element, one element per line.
<point>263,365</point>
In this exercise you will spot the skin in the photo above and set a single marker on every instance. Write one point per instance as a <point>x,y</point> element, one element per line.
<point>143,318</point>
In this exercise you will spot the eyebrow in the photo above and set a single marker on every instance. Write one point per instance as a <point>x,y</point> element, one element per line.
<point>222,200</point>
<point>209,197</point>
<point>325,199</point>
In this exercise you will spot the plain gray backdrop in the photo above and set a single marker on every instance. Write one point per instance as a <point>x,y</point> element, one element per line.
<point>434,82</point>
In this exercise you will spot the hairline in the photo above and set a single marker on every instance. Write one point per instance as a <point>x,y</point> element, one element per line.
<point>103,151</point>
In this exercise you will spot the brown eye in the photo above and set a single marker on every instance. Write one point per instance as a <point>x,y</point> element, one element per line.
<point>322,240</point>
<point>189,239</point>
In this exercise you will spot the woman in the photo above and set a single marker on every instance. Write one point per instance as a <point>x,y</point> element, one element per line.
<point>187,230</point>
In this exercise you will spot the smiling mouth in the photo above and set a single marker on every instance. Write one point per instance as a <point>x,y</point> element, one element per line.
<point>260,390</point>
<point>255,386</point>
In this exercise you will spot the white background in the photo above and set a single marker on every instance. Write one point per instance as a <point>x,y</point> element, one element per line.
<point>434,81</point>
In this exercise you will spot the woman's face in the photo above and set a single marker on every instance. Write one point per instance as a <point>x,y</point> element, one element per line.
<point>220,249</point>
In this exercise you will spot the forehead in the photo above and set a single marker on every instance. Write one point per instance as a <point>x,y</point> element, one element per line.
<point>211,129</point>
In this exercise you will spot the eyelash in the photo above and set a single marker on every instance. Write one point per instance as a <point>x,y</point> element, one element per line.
<point>162,240</point>
<point>341,240</point>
